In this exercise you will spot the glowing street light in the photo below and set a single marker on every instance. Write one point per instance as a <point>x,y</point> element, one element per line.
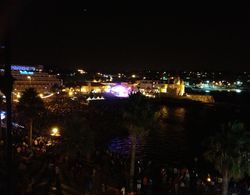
<point>29,78</point>
<point>70,93</point>
<point>209,178</point>
<point>18,95</point>
<point>55,132</point>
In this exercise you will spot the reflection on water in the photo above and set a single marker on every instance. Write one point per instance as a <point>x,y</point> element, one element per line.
<point>180,113</point>
<point>179,137</point>
<point>167,143</point>
<point>122,145</point>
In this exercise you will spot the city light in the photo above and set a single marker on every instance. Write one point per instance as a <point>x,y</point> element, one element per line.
<point>71,93</point>
<point>22,68</point>
<point>18,95</point>
<point>97,98</point>
<point>81,71</point>
<point>3,114</point>
<point>46,96</point>
<point>55,132</point>
<point>238,83</point>
<point>208,178</point>
<point>26,72</point>
<point>120,91</point>
<point>116,109</point>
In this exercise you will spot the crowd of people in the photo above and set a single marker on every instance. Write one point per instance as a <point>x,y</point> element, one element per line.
<point>106,172</point>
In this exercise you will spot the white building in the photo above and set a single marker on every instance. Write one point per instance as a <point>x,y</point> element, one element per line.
<point>32,77</point>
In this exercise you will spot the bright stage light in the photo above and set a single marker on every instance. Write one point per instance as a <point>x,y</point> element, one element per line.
<point>120,91</point>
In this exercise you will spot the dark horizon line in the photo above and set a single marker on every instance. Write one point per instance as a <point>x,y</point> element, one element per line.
<point>88,68</point>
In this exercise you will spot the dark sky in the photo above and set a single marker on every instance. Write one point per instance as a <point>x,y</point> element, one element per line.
<point>128,35</point>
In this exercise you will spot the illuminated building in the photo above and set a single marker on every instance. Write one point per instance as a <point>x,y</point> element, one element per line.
<point>88,87</point>
<point>93,87</point>
<point>118,90</point>
<point>32,77</point>
<point>174,87</point>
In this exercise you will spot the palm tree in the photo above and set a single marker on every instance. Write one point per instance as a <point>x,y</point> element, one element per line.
<point>138,118</point>
<point>228,150</point>
<point>30,106</point>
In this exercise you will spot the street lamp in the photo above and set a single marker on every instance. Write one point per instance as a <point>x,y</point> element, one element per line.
<point>29,78</point>
<point>55,132</point>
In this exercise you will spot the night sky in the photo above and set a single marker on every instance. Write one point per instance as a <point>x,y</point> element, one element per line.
<point>128,35</point>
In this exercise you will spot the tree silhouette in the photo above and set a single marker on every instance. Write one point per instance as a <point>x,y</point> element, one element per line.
<point>227,151</point>
<point>138,118</point>
<point>30,107</point>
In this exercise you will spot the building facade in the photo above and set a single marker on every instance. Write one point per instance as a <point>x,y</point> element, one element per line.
<point>172,87</point>
<point>33,77</point>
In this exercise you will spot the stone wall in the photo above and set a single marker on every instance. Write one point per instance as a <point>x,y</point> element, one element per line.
<point>201,98</point>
